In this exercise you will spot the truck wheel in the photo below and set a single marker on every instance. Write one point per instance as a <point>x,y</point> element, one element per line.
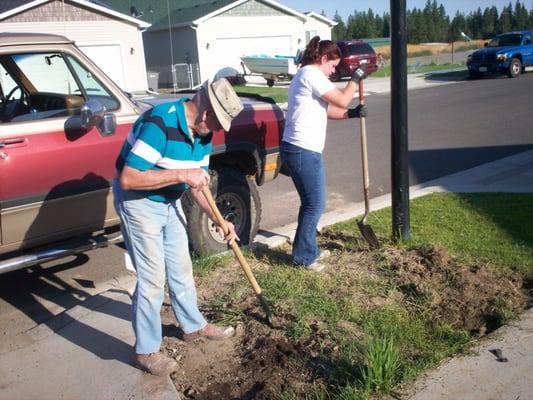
<point>270,82</point>
<point>474,75</point>
<point>237,199</point>
<point>515,68</point>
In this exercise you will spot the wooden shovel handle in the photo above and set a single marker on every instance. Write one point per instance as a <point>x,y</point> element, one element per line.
<point>234,246</point>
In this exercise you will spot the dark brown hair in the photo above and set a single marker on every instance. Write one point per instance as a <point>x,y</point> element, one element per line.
<point>317,48</point>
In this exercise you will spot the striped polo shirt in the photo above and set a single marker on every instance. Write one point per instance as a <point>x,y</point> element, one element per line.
<point>160,139</point>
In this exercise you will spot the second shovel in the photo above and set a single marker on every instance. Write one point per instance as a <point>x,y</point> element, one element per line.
<point>366,230</point>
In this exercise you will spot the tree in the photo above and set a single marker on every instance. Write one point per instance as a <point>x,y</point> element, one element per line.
<point>339,31</point>
<point>457,26</point>
<point>490,22</point>
<point>520,17</point>
<point>505,22</point>
<point>385,26</point>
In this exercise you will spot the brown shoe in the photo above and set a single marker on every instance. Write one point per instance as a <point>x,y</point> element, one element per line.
<point>210,332</point>
<point>155,363</point>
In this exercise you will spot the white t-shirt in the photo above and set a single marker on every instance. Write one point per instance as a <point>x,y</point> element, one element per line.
<point>306,120</point>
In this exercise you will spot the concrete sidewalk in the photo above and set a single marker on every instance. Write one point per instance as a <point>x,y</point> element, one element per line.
<point>84,353</point>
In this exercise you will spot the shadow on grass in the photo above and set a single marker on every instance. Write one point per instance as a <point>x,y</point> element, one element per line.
<point>511,212</point>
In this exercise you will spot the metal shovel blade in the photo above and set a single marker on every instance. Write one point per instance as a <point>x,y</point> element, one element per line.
<point>368,234</point>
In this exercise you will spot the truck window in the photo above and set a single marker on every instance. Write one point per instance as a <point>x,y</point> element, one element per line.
<point>47,85</point>
<point>360,48</point>
<point>93,88</point>
<point>506,40</point>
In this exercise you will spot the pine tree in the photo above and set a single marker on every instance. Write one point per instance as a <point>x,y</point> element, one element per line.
<point>506,19</point>
<point>339,31</point>
<point>520,17</point>
<point>490,21</point>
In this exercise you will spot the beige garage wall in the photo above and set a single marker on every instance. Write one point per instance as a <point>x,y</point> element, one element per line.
<point>93,32</point>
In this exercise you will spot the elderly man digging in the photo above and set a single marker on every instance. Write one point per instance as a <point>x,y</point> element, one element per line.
<point>165,154</point>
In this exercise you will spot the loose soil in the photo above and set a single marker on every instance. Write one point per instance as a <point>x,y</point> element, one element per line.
<point>261,362</point>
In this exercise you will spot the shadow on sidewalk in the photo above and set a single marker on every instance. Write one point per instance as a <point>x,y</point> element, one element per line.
<point>42,287</point>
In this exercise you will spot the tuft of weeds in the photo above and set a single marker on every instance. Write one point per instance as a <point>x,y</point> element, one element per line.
<point>382,366</point>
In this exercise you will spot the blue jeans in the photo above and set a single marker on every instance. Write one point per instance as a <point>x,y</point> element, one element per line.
<point>156,239</point>
<point>307,172</point>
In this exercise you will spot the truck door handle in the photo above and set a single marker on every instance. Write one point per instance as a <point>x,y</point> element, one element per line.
<point>15,142</point>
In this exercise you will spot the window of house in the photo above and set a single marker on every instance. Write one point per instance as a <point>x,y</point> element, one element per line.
<point>310,35</point>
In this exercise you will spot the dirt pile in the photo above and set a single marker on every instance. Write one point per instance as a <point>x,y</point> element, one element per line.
<point>474,297</point>
<point>263,363</point>
<point>258,363</point>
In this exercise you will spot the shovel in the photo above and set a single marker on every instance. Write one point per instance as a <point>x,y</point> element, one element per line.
<point>238,255</point>
<point>366,230</point>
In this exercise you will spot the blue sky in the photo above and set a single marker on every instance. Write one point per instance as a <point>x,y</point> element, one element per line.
<point>346,7</point>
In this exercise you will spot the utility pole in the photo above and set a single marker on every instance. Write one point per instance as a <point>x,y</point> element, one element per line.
<point>399,133</point>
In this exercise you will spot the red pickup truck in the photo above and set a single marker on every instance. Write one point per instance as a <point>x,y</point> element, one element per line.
<point>62,124</point>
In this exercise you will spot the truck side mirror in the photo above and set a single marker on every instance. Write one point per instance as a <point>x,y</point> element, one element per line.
<point>93,113</point>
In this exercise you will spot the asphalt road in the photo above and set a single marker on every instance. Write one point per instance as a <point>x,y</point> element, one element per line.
<point>451,128</point>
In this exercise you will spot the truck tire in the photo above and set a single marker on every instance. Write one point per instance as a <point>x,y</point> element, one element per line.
<point>238,200</point>
<point>270,82</point>
<point>474,74</point>
<point>515,68</point>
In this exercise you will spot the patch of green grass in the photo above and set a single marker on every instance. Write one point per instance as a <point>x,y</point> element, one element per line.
<point>203,265</point>
<point>420,69</point>
<point>269,94</point>
<point>308,296</point>
<point>494,227</point>
<point>382,367</point>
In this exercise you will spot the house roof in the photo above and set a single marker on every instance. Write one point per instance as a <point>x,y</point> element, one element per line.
<point>12,7</point>
<point>184,12</point>
<point>321,18</point>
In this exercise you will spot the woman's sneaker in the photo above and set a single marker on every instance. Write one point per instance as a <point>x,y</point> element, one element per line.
<point>155,363</point>
<point>211,332</point>
<point>316,267</point>
<point>323,254</point>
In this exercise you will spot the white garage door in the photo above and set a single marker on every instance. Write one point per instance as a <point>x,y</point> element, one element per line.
<point>230,50</point>
<point>108,57</point>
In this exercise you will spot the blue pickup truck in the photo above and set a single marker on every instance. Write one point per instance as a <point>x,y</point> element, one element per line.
<point>509,53</point>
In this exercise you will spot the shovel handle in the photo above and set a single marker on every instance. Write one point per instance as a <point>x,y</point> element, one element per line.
<point>364,154</point>
<point>234,246</point>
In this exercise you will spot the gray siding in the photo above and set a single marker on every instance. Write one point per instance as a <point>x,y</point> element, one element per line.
<point>56,11</point>
<point>252,8</point>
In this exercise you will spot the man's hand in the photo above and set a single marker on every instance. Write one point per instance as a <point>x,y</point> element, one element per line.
<point>232,235</point>
<point>358,75</point>
<point>196,178</point>
<point>357,112</point>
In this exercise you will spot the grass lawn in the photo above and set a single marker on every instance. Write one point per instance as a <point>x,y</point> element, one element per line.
<point>377,319</point>
<point>277,94</point>
<point>492,227</point>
